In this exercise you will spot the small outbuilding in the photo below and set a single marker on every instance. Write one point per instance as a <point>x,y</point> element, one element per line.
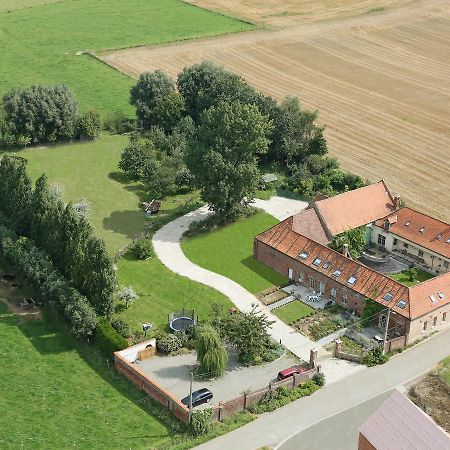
<point>267,179</point>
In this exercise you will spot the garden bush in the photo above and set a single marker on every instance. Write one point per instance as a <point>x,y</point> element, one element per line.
<point>324,328</point>
<point>169,343</point>
<point>375,357</point>
<point>319,378</point>
<point>107,339</point>
<point>88,125</point>
<point>122,328</point>
<point>143,249</point>
<point>201,421</point>
<point>117,122</point>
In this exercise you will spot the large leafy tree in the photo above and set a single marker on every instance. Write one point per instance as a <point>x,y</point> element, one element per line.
<point>296,134</point>
<point>223,155</point>
<point>155,100</point>
<point>211,353</point>
<point>40,114</point>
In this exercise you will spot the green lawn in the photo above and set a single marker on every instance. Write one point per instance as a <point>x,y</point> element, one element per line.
<point>56,392</point>
<point>90,170</point>
<point>293,311</point>
<point>162,291</point>
<point>403,277</point>
<point>38,45</point>
<point>229,251</point>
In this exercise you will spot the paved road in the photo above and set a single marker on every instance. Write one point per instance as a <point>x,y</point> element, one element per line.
<point>274,428</point>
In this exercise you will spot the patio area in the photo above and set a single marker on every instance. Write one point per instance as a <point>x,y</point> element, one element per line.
<point>307,296</point>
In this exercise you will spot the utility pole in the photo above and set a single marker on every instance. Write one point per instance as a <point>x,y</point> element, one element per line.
<point>190,396</point>
<point>386,329</point>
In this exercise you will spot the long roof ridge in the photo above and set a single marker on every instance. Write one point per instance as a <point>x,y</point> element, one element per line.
<point>322,220</point>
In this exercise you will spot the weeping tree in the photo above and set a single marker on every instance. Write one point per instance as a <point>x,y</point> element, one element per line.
<point>211,353</point>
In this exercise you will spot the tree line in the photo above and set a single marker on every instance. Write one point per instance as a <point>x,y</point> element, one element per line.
<point>56,228</point>
<point>211,130</point>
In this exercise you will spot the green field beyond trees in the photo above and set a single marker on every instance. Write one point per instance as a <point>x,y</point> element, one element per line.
<point>57,393</point>
<point>38,44</point>
<point>229,251</point>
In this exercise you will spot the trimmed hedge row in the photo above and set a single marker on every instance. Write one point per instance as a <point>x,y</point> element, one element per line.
<point>107,339</point>
<point>48,283</point>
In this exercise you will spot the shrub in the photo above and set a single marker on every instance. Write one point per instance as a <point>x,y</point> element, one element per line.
<point>169,343</point>
<point>116,122</point>
<point>88,125</point>
<point>107,338</point>
<point>122,328</point>
<point>319,378</point>
<point>201,421</point>
<point>143,249</point>
<point>375,357</point>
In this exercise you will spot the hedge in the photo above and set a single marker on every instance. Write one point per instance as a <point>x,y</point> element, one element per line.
<point>107,339</point>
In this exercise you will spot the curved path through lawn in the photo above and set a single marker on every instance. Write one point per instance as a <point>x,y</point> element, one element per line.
<point>166,242</point>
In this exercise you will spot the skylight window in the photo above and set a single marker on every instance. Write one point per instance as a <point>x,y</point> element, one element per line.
<point>441,295</point>
<point>351,280</point>
<point>433,299</point>
<point>326,264</point>
<point>407,224</point>
<point>401,304</point>
<point>317,262</point>
<point>337,273</point>
<point>448,241</point>
<point>303,255</point>
<point>422,230</point>
<point>439,237</point>
<point>388,297</point>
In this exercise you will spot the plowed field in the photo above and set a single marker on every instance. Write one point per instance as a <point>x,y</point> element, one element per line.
<point>381,81</point>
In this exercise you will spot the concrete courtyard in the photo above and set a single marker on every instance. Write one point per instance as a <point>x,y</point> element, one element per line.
<point>173,373</point>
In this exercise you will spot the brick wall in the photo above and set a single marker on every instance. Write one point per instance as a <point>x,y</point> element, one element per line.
<point>416,329</point>
<point>364,444</point>
<point>151,388</point>
<point>282,263</point>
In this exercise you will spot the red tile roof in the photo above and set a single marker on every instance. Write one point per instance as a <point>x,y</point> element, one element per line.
<point>355,208</point>
<point>423,230</point>
<point>399,424</point>
<point>308,223</point>
<point>369,282</point>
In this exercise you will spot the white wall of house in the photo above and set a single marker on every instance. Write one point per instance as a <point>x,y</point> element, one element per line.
<point>437,263</point>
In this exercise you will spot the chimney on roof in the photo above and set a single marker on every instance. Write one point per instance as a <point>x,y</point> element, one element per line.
<point>346,252</point>
<point>397,202</point>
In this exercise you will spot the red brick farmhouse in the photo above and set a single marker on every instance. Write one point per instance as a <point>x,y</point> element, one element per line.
<point>395,236</point>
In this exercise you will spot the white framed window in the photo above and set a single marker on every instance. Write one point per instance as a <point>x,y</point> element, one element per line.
<point>381,239</point>
<point>333,293</point>
<point>444,316</point>
<point>425,325</point>
<point>420,252</point>
<point>312,283</point>
<point>321,287</point>
<point>301,277</point>
<point>290,274</point>
<point>434,321</point>
<point>344,298</point>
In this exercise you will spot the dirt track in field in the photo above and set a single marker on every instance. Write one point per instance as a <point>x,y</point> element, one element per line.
<point>381,82</point>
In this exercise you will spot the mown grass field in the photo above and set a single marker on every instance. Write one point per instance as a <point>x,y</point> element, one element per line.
<point>293,311</point>
<point>56,392</point>
<point>229,251</point>
<point>38,44</point>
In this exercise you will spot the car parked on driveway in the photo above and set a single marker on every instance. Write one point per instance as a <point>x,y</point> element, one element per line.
<point>198,397</point>
<point>286,373</point>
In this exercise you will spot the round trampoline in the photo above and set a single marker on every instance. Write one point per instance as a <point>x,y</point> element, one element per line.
<point>181,320</point>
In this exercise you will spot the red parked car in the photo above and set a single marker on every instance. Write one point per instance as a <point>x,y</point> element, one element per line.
<point>286,373</point>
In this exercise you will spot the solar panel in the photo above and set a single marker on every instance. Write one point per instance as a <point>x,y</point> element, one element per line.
<point>401,304</point>
<point>317,262</point>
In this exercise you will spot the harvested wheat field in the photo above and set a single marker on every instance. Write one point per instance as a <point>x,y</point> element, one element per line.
<point>381,82</point>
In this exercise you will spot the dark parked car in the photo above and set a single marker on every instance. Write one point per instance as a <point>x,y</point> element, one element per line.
<point>286,373</point>
<point>198,397</point>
